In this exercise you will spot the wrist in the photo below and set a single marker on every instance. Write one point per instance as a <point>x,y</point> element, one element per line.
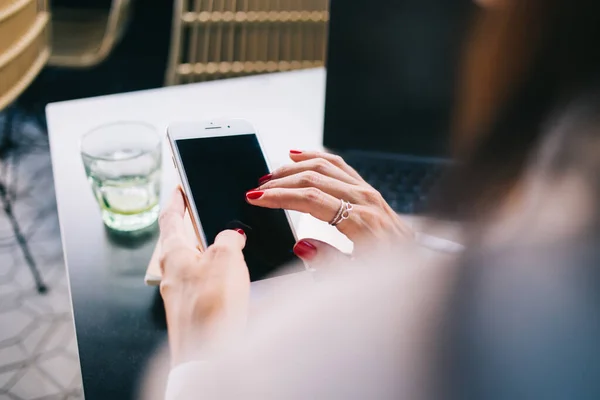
<point>184,330</point>
<point>198,330</point>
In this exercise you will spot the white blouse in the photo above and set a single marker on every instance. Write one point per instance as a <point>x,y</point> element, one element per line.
<point>356,336</point>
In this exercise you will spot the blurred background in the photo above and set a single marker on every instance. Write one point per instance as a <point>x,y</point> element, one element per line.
<point>101,47</point>
<point>67,49</point>
<point>394,61</point>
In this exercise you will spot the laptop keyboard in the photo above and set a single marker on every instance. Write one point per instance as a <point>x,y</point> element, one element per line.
<point>403,184</point>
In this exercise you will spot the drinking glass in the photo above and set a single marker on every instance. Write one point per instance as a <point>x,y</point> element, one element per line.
<point>123,163</point>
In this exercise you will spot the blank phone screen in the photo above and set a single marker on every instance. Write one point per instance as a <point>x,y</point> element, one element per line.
<point>220,170</point>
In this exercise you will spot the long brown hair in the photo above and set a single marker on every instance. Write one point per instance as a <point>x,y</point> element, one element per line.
<point>523,62</point>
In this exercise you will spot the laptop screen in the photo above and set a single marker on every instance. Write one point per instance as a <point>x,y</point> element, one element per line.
<point>391,74</point>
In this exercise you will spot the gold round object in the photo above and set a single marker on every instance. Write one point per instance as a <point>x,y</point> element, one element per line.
<point>284,65</point>
<point>184,69</point>
<point>249,66</point>
<point>307,64</point>
<point>212,68</point>
<point>228,16</point>
<point>240,16</point>
<point>305,15</point>
<point>224,67</point>
<point>204,16</point>
<point>188,17</point>
<point>237,67</point>
<point>271,66</point>
<point>263,16</point>
<point>316,16</point>
<point>284,16</point>
<point>261,66</point>
<point>199,69</point>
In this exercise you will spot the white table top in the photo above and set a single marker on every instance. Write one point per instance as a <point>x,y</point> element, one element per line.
<point>287,109</point>
<point>116,316</point>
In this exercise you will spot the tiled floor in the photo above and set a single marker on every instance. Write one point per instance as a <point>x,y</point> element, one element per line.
<point>38,352</point>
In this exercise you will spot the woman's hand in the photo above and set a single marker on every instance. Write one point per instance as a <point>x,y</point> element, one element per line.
<point>205,293</point>
<point>316,183</point>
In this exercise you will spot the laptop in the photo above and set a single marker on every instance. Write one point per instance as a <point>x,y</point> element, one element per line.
<point>391,78</point>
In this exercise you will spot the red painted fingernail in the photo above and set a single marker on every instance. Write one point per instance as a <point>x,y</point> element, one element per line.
<point>240,231</point>
<point>295,152</point>
<point>265,179</point>
<point>305,250</point>
<point>254,194</point>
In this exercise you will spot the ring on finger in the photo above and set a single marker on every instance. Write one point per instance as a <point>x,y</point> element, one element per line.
<point>343,213</point>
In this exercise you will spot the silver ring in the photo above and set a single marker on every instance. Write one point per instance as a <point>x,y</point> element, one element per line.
<point>338,214</point>
<point>343,213</point>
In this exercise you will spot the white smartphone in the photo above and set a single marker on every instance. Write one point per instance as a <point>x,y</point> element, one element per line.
<point>219,161</point>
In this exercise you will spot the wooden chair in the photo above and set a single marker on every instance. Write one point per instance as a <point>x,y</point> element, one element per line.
<point>24,50</point>
<point>214,39</point>
<point>24,45</point>
<point>83,37</point>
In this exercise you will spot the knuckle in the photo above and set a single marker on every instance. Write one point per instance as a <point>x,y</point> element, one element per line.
<point>280,172</point>
<point>276,196</point>
<point>310,178</point>
<point>170,257</point>
<point>168,286</point>
<point>165,216</point>
<point>388,225</point>
<point>219,249</point>
<point>266,185</point>
<point>321,165</point>
<point>313,195</point>
<point>163,260</point>
<point>367,215</point>
<point>371,196</point>
<point>336,159</point>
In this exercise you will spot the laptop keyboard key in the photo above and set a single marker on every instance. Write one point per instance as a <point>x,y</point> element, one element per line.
<point>403,184</point>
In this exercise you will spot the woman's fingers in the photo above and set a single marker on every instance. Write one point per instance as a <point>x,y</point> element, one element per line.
<point>321,257</point>
<point>319,165</point>
<point>318,253</point>
<point>172,232</point>
<point>175,246</point>
<point>229,241</point>
<point>310,200</point>
<point>334,159</point>
<point>340,190</point>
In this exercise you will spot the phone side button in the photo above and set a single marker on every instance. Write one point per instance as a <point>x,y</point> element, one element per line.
<point>172,159</point>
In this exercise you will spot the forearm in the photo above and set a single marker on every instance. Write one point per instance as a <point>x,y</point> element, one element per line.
<point>185,332</point>
<point>197,332</point>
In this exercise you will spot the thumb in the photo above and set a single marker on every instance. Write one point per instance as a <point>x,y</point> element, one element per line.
<point>170,222</point>
<point>231,239</point>
<point>318,253</point>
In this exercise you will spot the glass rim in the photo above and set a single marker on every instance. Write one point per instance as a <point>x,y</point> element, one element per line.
<point>121,122</point>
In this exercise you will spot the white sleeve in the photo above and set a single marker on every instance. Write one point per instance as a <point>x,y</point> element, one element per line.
<point>182,379</point>
<point>438,244</point>
<point>334,340</point>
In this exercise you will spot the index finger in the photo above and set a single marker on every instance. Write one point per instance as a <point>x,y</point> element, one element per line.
<point>171,218</point>
<point>336,160</point>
